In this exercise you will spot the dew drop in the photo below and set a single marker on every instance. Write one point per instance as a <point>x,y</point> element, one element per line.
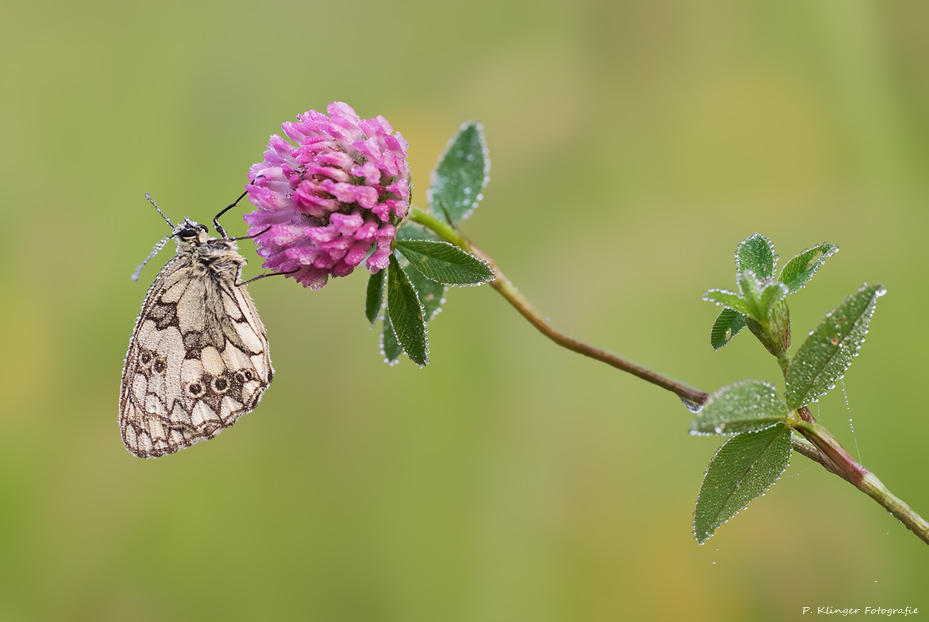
<point>693,407</point>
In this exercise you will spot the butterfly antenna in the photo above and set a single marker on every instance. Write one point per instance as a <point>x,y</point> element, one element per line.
<point>152,201</point>
<point>161,243</point>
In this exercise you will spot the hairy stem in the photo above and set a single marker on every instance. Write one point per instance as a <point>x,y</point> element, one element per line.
<point>818,443</point>
<point>506,288</point>
<point>845,466</point>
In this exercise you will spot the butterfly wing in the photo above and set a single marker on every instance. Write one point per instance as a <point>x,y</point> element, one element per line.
<point>197,361</point>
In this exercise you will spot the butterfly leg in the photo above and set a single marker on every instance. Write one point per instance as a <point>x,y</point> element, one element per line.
<point>249,237</point>
<point>219,227</point>
<point>264,276</point>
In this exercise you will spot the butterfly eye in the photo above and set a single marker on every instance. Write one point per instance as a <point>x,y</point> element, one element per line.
<point>190,232</point>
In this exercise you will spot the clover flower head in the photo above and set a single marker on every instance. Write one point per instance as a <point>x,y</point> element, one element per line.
<point>330,199</point>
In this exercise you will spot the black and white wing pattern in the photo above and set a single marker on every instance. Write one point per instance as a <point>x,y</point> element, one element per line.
<point>198,358</point>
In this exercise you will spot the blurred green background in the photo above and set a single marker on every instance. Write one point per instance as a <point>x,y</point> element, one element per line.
<point>633,145</point>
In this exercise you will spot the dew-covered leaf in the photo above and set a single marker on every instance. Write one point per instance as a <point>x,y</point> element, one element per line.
<point>390,347</point>
<point>406,313</point>
<point>727,299</point>
<point>772,293</point>
<point>431,294</point>
<point>799,270</point>
<point>462,174</point>
<point>745,406</point>
<point>756,253</point>
<point>760,297</point>
<point>375,295</point>
<point>445,263</point>
<point>743,468</point>
<point>828,351</point>
<point>412,231</point>
<point>727,325</point>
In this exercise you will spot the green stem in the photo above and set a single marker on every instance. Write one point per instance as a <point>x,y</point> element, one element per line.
<point>819,445</point>
<point>506,288</point>
<point>844,465</point>
<point>783,361</point>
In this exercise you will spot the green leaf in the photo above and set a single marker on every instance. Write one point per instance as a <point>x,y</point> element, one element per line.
<point>431,294</point>
<point>799,270</point>
<point>746,406</point>
<point>726,299</point>
<point>445,263</point>
<point>375,295</point>
<point>406,313</point>
<point>825,355</point>
<point>727,325</point>
<point>411,231</point>
<point>760,297</point>
<point>390,347</point>
<point>462,174</point>
<point>743,468</point>
<point>756,253</point>
<point>772,293</point>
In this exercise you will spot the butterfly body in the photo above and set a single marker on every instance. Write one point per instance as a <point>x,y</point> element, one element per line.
<point>198,357</point>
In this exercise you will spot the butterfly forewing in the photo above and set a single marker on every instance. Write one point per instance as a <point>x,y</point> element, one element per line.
<point>198,358</point>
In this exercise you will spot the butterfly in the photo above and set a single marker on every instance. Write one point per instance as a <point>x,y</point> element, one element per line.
<point>198,357</point>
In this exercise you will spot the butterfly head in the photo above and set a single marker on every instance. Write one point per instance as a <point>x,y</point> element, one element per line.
<point>194,239</point>
<point>190,232</point>
<point>217,254</point>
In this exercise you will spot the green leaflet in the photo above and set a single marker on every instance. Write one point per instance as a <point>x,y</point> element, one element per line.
<point>406,313</point>
<point>462,174</point>
<point>828,351</point>
<point>727,299</point>
<point>444,262</point>
<point>375,295</point>
<point>389,344</point>
<point>756,253</point>
<point>743,468</point>
<point>431,294</point>
<point>727,325</point>
<point>800,269</point>
<point>760,297</point>
<point>745,406</point>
